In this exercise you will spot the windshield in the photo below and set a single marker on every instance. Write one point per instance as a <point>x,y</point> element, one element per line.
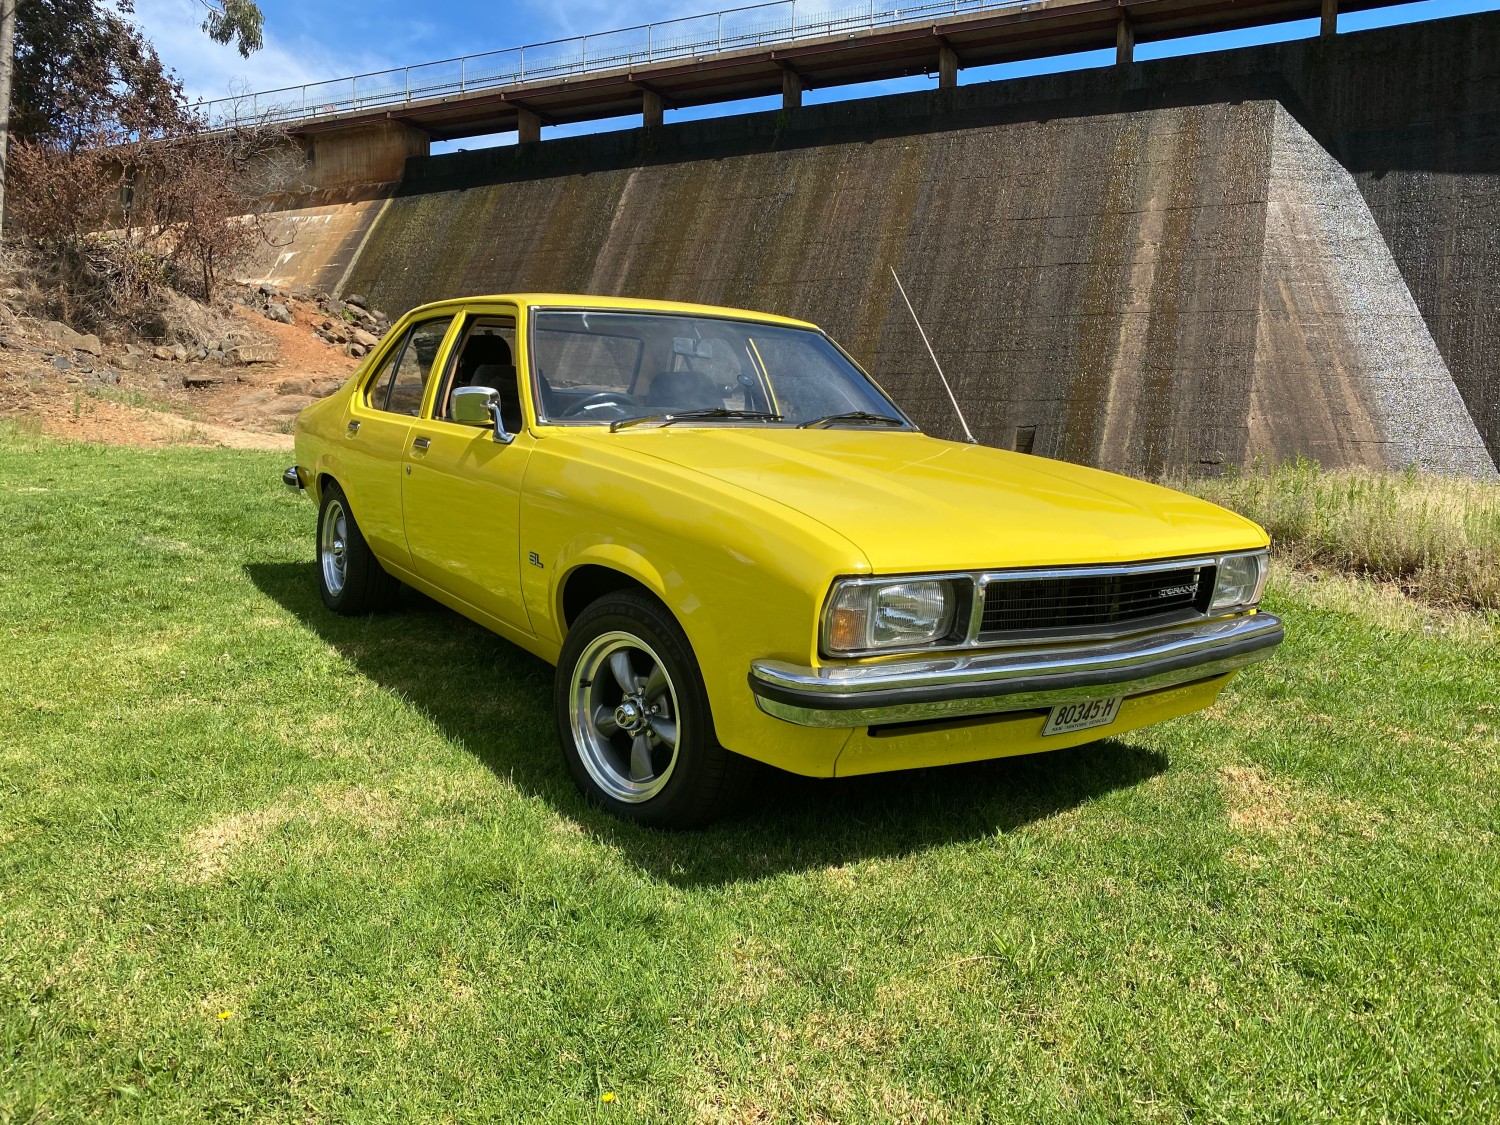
<point>619,367</point>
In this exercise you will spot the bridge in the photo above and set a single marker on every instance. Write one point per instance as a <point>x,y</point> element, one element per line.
<point>781,48</point>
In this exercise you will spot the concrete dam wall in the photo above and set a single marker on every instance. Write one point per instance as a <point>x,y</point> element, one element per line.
<point>1185,264</point>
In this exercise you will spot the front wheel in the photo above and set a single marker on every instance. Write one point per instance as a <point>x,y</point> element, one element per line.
<point>634,721</point>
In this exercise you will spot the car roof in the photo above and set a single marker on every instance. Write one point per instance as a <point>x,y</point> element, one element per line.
<point>631,304</point>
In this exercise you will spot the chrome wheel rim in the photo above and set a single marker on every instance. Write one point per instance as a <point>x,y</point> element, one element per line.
<point>333,539</point>
<point>624,713</point>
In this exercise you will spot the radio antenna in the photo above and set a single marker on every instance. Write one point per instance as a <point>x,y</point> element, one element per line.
<point>968,434</point>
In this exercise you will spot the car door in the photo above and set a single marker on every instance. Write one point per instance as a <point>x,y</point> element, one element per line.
<point>376,425</point>
<point>462,489</point>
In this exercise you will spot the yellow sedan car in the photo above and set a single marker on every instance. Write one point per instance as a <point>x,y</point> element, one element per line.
<point>735,547</point>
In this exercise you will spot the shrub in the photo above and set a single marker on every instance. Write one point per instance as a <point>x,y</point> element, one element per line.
<point>123,221</point>
<point>1437,537</point>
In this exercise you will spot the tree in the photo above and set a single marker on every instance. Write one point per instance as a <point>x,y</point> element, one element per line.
<point>234,21</point>
<point>71,69</point>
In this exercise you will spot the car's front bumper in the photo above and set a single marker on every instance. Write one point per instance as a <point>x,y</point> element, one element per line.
<point>292,478</point>
<point>999,681</point>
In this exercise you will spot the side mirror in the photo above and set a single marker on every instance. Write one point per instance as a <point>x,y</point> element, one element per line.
<point>479,406</point>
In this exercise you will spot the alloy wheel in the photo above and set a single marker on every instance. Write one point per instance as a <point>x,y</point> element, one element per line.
<point>623,711</point>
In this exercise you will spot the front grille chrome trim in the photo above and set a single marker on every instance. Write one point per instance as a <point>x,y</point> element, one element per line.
<point>1060,634</point>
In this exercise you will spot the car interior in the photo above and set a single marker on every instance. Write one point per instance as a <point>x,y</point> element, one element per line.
<point>486,358</point>
<point>593,366</point>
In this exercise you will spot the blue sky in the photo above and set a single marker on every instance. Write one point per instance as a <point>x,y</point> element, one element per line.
<point>333,38</point>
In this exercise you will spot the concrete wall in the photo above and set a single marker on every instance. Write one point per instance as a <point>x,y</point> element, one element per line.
<point>312,245</point>
<point>1185,264</point>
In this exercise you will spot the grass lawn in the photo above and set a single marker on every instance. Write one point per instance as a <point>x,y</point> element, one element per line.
<point>257,862</point>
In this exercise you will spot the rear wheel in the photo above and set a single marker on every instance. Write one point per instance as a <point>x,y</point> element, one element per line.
<point>350,577</point>
<point>634,721</point>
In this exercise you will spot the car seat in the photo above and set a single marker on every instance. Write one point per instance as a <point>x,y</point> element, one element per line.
<point>684,390</point>
<point>486,362</point>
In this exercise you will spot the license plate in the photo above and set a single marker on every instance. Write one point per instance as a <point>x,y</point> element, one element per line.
<point>1067,717</point>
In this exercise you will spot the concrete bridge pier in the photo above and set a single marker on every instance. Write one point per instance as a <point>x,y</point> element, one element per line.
<point>359,156</point>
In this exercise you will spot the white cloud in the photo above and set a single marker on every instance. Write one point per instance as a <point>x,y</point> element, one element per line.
<point>210,70</point>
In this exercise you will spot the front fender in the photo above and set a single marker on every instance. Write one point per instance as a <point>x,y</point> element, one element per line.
<point>743,577</point>
<point>612,556</point>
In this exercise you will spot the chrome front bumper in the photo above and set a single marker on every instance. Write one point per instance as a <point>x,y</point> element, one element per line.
<point>292,478</point>
<point>993,682</point>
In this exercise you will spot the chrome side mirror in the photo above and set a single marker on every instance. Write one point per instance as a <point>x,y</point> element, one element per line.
<point>479,406</point>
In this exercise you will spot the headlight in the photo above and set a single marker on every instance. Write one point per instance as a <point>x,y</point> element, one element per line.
<point>1240,581</point>
<point>865,614</point>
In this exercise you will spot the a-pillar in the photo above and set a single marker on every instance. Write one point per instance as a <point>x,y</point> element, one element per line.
<point>791,89</point>
<point>653,112</point>
<point>1330,17</point>
<point>528,126</point>
<point>947,67</point>
<point>1124,41</point>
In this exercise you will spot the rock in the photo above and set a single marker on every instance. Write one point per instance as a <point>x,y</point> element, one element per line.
<point>62,363</point>
<point>324,387</point>
<point>284,406</point>
<point>128,362</point>
<point>250,353</point>
<point>131,349</point>
<point>74,341</point>
<point>268,290</point>
<point>164,353</point>
<point>108,376</point>
<point>179,353</point>
<point>294,387</point>
<point>357,300</point>
<point>334,332</point>
<point>279,312</point>
<point>204,378</point>
<point>355,351</point>
<point>365,339</point>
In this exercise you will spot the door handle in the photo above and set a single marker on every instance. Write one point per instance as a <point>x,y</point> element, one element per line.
<point>354,426</point>
<point>421,444</point>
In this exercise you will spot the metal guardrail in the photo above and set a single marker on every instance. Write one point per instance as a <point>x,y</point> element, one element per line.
<point>735,29</point>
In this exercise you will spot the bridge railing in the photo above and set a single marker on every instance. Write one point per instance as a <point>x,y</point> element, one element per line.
<point>734,29</point>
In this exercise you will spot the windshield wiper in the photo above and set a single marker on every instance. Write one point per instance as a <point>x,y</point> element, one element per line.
<point>852,416</point>
<point>693,416</point>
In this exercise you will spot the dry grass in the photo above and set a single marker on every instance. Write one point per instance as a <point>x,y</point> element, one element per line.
<point>1437,537</point>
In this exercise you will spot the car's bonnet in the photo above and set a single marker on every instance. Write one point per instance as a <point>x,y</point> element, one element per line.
<point>914,503</point>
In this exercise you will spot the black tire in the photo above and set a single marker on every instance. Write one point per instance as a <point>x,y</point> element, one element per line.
<point>692,781</point>
<point>358,585</point>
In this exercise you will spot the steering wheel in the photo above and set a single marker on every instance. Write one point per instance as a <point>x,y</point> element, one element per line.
<point>622,404</point>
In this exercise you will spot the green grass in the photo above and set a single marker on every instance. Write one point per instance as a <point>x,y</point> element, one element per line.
<point>259,863</point>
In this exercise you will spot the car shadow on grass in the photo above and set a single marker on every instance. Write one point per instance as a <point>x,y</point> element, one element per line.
<point>495,701</point>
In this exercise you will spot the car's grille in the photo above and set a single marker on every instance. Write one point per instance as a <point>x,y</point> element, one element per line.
<point>1092,602</point>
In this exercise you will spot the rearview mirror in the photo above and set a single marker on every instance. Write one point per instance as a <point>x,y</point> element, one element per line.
<point>479,406</point>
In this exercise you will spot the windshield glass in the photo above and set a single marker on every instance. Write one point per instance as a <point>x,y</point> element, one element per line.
<point>614,367</point>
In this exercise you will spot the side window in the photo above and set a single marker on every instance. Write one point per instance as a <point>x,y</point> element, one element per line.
<point>378,389</point>
<point>486,357</point>
<point>415,365</point>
